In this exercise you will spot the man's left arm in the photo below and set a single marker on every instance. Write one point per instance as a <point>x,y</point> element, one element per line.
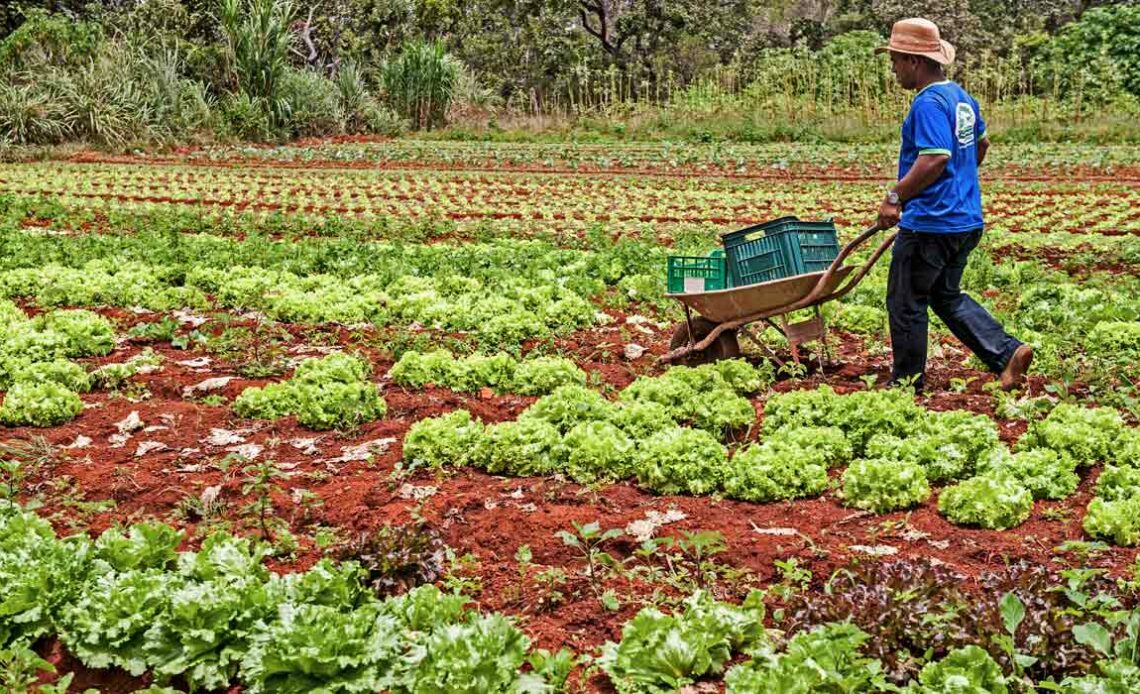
<point>926,170</point>
<point>983,138</point>
<point>934,136</point>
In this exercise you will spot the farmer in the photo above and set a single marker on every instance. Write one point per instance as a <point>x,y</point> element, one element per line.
<point>937,204</point>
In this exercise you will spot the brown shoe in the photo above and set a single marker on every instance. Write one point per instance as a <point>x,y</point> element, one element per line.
<point>1013,374</point>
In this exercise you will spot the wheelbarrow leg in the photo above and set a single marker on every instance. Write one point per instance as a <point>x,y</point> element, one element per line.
<point>824,338</point>
<point>689,324</point>
<point>759,343</point>
<point>803,332</point>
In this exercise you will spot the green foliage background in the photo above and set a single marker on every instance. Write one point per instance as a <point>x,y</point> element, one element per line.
<point>117,73</point>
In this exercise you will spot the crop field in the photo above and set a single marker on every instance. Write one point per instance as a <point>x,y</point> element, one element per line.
<point>355,416</point>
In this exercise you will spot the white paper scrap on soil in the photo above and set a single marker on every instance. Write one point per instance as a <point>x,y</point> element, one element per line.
<point>411,491</point>
<point>188,318</point>
<point>149,447</point>
<point>307,446</point>
<point>130,423</point>
<point>874,550</point>
<point>645,528</point>
<point>350,454</point>
<point>223,437</point>
<point>249,451</point>
<point>198,363</point>
<point>206,386</point>
<point>634,351</point>
<point>80,441</point>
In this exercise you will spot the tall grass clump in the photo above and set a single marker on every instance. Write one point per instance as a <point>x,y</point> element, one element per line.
<point>257,40</point>
<point>420,83</point>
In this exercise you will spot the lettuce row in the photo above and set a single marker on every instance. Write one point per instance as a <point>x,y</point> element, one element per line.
<point>43,386</point>
<point>328,393</point>
<point>500,372</point>
<point>218,616</point>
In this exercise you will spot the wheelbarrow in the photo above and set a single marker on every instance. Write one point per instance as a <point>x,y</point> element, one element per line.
<point>722,315</point>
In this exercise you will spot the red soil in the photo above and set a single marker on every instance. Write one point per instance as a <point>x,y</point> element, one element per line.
<point>491,517</point>
<point>1128,175</point>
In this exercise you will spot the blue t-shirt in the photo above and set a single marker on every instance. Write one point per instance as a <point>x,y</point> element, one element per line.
<point>944,119</point>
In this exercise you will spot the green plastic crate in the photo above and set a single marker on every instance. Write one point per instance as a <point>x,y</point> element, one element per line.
<point>780,248</point>
<point>688,274</point>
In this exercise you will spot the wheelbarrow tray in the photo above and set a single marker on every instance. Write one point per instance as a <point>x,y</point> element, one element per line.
<point>726,305</point>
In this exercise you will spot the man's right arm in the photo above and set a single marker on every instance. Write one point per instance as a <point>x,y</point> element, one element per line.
<point>983,147</point>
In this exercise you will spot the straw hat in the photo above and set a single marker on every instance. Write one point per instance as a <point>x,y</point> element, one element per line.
<point>919,37</point>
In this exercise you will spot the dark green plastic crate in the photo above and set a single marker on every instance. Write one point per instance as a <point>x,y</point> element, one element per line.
<point>710,268</point>
<point>777,249</point>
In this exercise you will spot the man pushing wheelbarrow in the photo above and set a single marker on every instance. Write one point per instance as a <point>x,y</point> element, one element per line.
<point>770,271</point>
<point>937,205</point>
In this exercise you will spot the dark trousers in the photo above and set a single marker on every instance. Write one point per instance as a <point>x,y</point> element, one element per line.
<point>926,272</point>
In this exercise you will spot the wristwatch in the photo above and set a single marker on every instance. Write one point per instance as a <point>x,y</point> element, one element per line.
<point>893,198</point>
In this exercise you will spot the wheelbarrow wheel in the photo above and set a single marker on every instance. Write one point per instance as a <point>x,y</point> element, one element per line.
<point>725,346</point>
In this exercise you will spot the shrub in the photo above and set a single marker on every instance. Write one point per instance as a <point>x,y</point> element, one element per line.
<point>1045,473</point>
<point>774,470</point>
<point>825,659</point>
<point>314,104</point>
<point>827,445</point>
<point>418,369</point>
<point>720,412</point>
<point>1087,435</point>
<point>270,402</point>
<point>881,485</point>
<point>1127,448</point>
<point>1117,521</point>
<point>525,447</point>
<point>337,367</point>
<point>66,373</point>
<point>39,404</point>
<point>969,669</point>
<point>28,115</point>
<point>336,405</point>
<point>452,439</point>
<point>247,118</point>
<point>569,406</point>
<point>543,375</point>
<point>85,333</point>
<point>1118,482</point>
<point>677,461</point>
<point>663,653</point>
<point>994,502</point>
<point>381,120</point>
<point>640,420</point>
<point>597,451</point>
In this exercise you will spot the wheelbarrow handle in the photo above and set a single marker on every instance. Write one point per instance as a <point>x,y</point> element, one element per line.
<point>821,286</point>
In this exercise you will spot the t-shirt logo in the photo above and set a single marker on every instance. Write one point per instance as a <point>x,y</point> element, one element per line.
<point>964,124</point>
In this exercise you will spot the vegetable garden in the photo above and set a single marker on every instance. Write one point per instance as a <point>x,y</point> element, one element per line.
<point>355,416</point>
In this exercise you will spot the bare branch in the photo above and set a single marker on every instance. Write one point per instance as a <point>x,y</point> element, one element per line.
<point>307,37</point>
<point>602,33</point>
